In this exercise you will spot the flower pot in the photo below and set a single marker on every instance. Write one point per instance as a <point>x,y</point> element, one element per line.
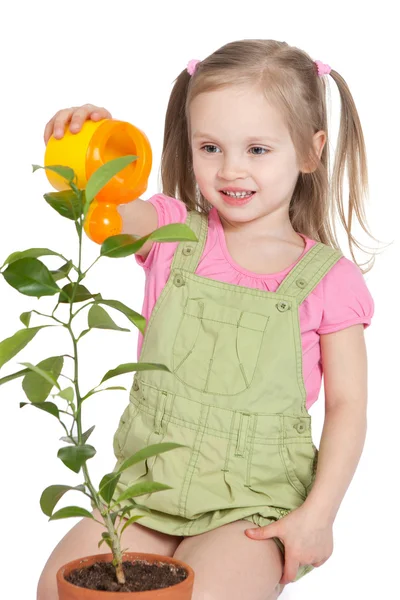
<point>69,591</point>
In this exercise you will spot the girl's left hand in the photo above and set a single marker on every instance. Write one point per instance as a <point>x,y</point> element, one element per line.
<point>307,540</point>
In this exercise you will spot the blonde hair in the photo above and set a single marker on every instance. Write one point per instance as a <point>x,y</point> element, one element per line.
<point>288,77</point>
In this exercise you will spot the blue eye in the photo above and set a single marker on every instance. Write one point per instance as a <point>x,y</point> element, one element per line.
<point>259,148</point>
<point>266,151</point>
<point>208,146</point>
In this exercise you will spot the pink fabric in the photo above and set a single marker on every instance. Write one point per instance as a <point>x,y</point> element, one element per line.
<point>341,299</point>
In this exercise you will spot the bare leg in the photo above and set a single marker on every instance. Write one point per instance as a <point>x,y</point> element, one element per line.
<point>82,540</point>
<point>230,566</point>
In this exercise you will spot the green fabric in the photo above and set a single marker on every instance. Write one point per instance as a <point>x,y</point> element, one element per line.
<point>235,397</point>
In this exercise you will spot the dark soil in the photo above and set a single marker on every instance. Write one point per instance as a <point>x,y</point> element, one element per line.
<point>140,576</point>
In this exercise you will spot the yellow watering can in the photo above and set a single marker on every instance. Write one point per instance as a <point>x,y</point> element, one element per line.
<point>86,151</point>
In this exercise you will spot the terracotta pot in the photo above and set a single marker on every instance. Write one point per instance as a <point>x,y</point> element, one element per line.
<point>68,591</point>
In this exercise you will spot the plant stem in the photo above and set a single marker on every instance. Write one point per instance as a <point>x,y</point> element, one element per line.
<point>102,508</point>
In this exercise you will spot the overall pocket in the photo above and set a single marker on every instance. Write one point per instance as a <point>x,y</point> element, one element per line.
<point>299,460</point>
<point>132,435</point>
<point>122,430</point>
<point>216,347</point>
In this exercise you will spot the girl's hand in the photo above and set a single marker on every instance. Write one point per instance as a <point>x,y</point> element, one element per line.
<point>307,540</point>
<point>76,116</point>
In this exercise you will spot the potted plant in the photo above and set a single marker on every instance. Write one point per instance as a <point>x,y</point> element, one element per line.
<point>27,273</point>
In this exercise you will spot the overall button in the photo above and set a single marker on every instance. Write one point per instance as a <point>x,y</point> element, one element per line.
<point>282,306</point>
<point>187,250</point>
<point>300,427</point>
<point>301,283</point>
<point>135,385</point>
<point>179,280</point>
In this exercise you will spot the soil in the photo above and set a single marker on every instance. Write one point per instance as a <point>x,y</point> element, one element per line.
<point>140,576</point>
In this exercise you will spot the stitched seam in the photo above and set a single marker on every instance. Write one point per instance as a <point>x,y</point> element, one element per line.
<point>200,403</point>
<point>229,322</point>
<point>204,391</point>
<point>193,459</point>
<point>251,451</point>
<point>217,433</point>
<point>230,442</point>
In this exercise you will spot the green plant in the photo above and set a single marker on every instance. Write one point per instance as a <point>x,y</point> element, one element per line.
<point>30,276</point>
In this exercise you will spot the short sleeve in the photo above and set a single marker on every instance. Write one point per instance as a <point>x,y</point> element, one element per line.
<point>169,210</point>
<point>346,298</point>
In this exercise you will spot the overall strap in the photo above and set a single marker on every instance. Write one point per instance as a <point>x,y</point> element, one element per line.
<point>188,254</point>
<point>309,271</point>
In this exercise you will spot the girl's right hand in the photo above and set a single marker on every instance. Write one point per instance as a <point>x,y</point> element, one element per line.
<point>76,116</point>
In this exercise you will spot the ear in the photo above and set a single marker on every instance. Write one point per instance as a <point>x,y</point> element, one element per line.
<point>319,140</point>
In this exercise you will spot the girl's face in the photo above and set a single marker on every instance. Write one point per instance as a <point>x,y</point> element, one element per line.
<point>240,141</point>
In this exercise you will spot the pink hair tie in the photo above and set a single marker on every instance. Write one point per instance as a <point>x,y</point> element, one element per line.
<point>322,68</point>
<point>191,66</point>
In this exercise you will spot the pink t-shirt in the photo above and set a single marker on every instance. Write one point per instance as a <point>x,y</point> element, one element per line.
<point>339,300</point>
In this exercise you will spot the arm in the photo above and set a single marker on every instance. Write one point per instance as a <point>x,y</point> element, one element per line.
<point>139,217</point>
<point>307,531</point>
<point>344,361</point>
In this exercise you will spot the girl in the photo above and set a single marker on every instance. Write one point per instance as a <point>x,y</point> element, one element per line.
<point>247,318</point>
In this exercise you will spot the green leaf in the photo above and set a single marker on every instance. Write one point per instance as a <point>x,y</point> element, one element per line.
<point>103,175</point>
<point>71,511</point>
<point>124,244</point>
<point>174,232</point>
<point>14,376</point>
<point>137,319</point>
<point>148,452</point>
<point>75,456</point>
<point>14,344</point>
<point>129,367</point>
<point>25,318</point>
<point>106,538</point>
<point>82,333</point>
<point>134,506</point>
<point>62,272</point>
<point>113,517</point>
<point>65,172</point>
<point>130,521</point>
<point>108,485</point>
<point>46,406</point>
<point>114,387</point>
<point>38,383</point>
<point>81,294</point>
<point>92,392</point>
<point>142,488</point>
<point>52,494</point>
<point>74,440</point>
<point>100,319</point>
<point>31,277</point>
<point>30,253</point>
<point>67,394</point>
<point>66,203</point>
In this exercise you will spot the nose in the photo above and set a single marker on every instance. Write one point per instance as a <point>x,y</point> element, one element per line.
<point>232,168</point>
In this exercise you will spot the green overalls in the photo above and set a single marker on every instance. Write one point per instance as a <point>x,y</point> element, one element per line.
<point>235,397</point>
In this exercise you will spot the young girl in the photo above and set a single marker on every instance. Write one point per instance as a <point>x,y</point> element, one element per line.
<point>247,318</point>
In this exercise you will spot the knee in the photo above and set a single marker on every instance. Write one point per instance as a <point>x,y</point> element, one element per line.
<point>47,587</point>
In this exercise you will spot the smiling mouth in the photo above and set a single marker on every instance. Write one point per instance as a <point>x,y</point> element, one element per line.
<point>238,200</point>
<point>238,197</point>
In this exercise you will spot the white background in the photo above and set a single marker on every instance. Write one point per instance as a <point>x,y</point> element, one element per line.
<point>125,56</point>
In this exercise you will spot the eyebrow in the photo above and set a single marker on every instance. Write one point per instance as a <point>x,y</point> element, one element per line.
<point>199,134</point>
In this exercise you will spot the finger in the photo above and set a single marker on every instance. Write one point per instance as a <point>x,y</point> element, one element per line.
<point>60,120</point>
<point>80,115</point>
<point>100,113</point>
<point>318,564</point>
<point>290,569</point>
<point>76,116</point>
<point>56,125</point>
<point>263,533</point>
